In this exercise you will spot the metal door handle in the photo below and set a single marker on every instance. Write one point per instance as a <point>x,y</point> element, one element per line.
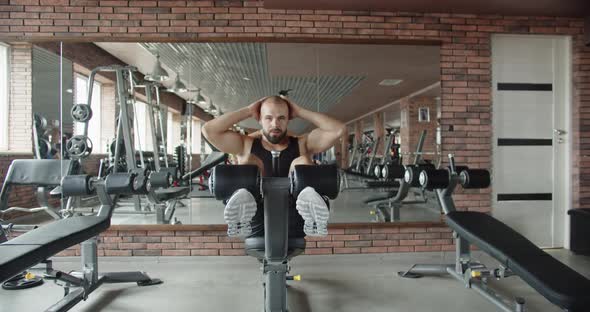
<point>559,132</point>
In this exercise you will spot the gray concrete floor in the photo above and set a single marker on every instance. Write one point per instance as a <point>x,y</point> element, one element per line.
<point>330,283</point>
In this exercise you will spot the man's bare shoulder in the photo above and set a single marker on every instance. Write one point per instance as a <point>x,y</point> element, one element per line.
<point>247,145</point>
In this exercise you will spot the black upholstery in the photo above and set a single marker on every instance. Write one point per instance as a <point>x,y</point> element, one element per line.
<point>35,172</point>
<point>214,159</point>
<point>171,193</point>
<point>551,278</point>
<point>26,250</point>
<point>255,247</point>
<point>375,184</point>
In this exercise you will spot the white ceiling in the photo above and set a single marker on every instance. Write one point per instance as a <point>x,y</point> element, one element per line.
<point>341,80</point>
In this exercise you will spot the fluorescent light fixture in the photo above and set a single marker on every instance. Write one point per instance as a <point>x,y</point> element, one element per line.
<point>390,82</point>
<point>158,73</point>
<point>178,85</point>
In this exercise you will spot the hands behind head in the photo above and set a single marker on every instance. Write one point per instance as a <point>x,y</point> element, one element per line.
<point>294,111</point>
<point>254,108</point>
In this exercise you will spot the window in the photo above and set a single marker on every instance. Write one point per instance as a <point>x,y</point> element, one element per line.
<point>173,131</point>
<point>423,114</point>
<point>4,80</point>
<point>142,128</point>
<point>95,123</point>
<point>200,145</point>
<point>196,136</point>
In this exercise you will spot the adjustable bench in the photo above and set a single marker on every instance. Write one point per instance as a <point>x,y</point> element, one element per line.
<point>38,245</point>
<point>554,280</point>
<point>28,249</point>
<point>40,173</point>
<point>560,284</point>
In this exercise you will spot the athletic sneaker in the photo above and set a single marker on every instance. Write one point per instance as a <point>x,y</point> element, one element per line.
<point>239,211</point>
<point>314,210</point>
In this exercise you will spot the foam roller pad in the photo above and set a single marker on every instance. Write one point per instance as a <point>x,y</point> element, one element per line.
<point>76,185</point>
<point>434,179</point>
<point>323,178</point>
<point>120,183</point>
<point>393,171</point>
<point>412,173</point>
<point>226,179</point>
<point>475,178</point>
<point>160,179</point>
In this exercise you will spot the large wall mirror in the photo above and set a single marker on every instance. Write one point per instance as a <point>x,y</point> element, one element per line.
<point>153,97</point>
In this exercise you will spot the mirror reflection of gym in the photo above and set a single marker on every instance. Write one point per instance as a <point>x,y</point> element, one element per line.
<point>189,83</point>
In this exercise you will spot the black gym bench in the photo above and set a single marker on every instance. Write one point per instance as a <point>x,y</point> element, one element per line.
<point>560,284</point>
<point>36,246</point>
<point>276,247</point>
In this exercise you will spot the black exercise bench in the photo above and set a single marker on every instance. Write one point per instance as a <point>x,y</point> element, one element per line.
<point>30,248</point>
<point>554,280</point>
<point>36,246</point>
<point>517,255</point>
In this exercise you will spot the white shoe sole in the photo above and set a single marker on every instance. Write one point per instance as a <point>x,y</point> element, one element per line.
<point>238,213</point>
<point>312,207</point>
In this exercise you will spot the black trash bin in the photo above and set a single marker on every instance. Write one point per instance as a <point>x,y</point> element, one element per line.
<point>580,230</point>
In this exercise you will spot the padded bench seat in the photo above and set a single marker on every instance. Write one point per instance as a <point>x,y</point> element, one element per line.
<point>554,280</point>
<point>28,249</point>
<point>171,193</point>
<point>255,247</point>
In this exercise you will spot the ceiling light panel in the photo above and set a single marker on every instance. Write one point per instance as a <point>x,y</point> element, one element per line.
<point>219,70</point>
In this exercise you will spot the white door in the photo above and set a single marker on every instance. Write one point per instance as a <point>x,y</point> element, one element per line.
<point>531,135</point>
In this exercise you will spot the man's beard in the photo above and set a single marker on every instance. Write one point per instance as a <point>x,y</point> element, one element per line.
<point>274,139</point>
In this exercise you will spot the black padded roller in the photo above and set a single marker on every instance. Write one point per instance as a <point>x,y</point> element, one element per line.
<point>475,178</point>
<point>434,179</point>
<point>76,185</point>
<point>393,171</point>
<point>120,183</point>
<point>226,179</point>
<point>160,179</point>
<point>323,178</point>
<point>412,173</point>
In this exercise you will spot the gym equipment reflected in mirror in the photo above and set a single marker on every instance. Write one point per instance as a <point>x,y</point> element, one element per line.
<point>139,107</point>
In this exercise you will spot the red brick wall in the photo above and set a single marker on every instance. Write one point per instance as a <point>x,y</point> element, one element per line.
<point>465,56</point>
<point>199,240</point>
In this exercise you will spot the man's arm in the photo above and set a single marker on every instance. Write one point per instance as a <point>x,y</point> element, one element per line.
<point>217,132</point>
<point>328,130</point>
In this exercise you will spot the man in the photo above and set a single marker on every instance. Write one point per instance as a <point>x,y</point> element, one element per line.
<point>244,216</point>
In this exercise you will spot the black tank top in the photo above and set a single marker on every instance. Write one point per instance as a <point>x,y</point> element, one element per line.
<point>285,159</point>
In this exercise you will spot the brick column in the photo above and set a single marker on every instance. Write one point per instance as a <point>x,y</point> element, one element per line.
<point>379,132</point>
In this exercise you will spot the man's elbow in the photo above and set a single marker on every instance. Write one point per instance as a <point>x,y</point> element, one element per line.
<point>206,130</point>
<point>341,129</point>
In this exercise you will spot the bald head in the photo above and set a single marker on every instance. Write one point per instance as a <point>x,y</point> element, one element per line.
<point>274,118</point>
<point>273,101</point>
